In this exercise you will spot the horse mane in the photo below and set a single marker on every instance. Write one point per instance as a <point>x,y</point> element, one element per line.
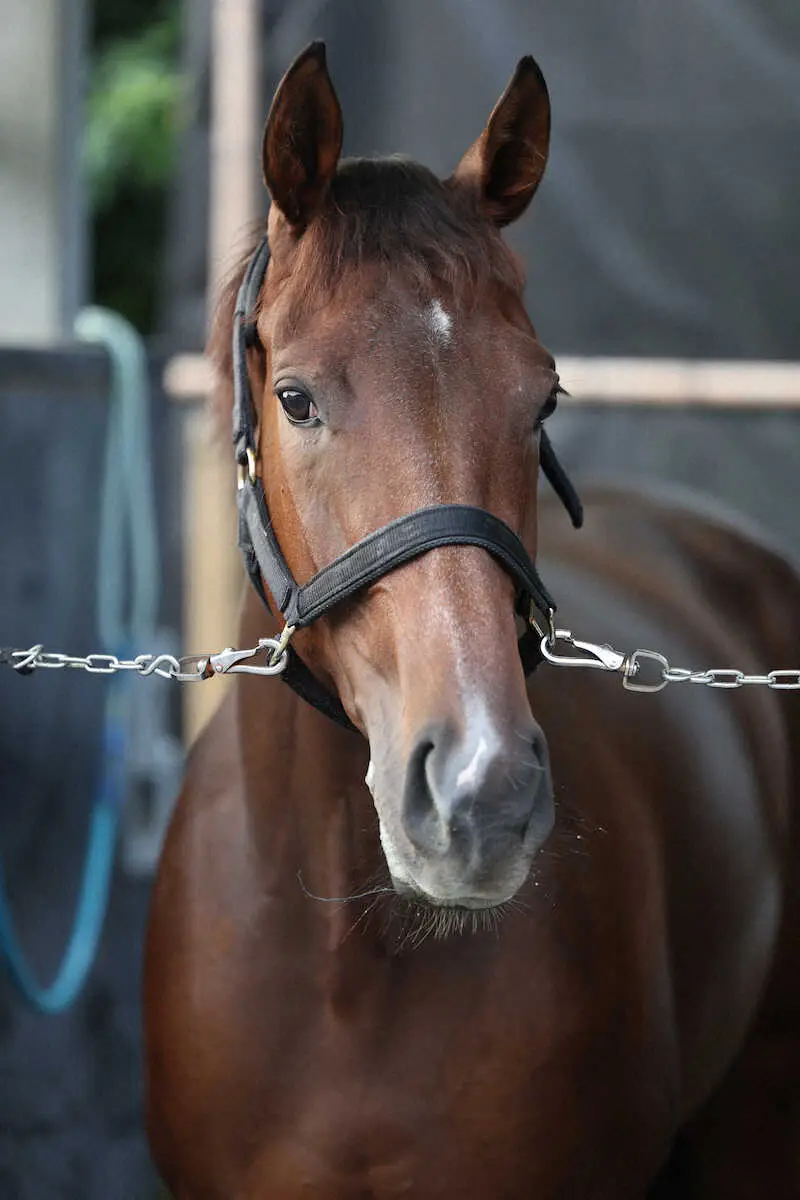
<point>391,211</point>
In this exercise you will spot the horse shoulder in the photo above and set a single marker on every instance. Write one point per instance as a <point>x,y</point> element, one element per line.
<point>711,774</point>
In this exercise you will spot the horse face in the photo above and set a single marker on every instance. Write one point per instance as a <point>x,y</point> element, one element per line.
<point>415,379</point>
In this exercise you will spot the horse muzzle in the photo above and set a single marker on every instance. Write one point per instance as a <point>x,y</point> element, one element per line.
<point>475,808</point>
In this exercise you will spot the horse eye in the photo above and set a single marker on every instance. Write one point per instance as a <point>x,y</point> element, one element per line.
<point>299,408</point>
<point>549,406</point>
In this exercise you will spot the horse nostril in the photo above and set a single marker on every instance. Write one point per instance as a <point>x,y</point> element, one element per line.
<point>464,791</point>
<point>418,807</point>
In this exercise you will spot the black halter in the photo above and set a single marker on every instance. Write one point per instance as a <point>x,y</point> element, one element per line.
<point>374,556</point>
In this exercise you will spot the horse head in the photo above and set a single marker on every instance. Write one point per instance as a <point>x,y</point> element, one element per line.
<point>395,367</point>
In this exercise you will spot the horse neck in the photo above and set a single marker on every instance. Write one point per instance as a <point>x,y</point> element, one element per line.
<point>311,818</point>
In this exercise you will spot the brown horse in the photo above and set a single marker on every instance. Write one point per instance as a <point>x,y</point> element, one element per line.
<point>609,976</point>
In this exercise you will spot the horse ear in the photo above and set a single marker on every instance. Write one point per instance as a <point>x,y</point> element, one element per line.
<point>302,138</point>
<point>505,165</point>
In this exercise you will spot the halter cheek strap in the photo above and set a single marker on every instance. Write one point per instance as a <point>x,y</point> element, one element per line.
<point>374,556</point>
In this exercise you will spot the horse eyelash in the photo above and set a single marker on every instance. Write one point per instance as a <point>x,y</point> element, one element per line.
<point>549,406</point>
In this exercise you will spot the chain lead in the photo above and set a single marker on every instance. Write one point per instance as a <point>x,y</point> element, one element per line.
<point>606,658</point>
<point>191,668</point>
<point>194,668</point>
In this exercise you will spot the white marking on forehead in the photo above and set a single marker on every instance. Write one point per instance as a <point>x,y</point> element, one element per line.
<point>439,322</point>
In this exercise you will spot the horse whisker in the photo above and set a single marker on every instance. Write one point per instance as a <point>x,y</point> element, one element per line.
<point>361,917</point>
<point>375,891</point>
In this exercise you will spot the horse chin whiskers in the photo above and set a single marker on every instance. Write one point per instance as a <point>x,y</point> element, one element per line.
<point>413,920</point>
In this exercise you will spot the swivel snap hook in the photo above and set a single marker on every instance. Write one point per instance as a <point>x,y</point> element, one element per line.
<point>236,662</point>
<point>600,657</point>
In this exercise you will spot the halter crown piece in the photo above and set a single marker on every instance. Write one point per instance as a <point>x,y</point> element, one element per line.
<point>380,552</point>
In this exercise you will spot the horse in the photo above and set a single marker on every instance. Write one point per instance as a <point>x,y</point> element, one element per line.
<point>481,935</point>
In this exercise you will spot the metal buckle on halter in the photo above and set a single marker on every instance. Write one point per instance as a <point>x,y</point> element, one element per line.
<point>549,635</point>
<point>246,471</point>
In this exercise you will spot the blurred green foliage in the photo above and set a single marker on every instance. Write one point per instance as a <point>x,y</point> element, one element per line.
<point>130,132</point>
<point>125,19</point>
<point>129,151</point>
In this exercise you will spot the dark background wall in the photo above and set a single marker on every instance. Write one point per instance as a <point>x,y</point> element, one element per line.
<point>735,462</point>
<point>70,1113</point>
<point>666,222</point>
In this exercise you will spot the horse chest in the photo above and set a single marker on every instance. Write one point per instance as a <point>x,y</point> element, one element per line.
<point>349,1144</point>
<point>406,1107</point>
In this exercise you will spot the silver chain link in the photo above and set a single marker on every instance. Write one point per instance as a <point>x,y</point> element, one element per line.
<point>727,677</point>
<point>629,666</point>
<point>193,668</point>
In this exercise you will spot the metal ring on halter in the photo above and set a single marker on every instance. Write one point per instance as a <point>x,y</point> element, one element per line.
<point>247,472</point>
<point>281,645</point>
<point>550,633</point>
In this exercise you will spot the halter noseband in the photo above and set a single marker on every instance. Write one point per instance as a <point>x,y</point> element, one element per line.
<point>380,552</point>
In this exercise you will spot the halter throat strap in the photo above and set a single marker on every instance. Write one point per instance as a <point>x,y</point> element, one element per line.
<point>380,552</point>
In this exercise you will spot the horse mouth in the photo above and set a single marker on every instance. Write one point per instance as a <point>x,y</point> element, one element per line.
<point>464,904</point>
<point>455,901</point>
<point>423,917</point>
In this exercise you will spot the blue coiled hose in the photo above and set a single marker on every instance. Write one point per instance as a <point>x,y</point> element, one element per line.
<point>127,522</point>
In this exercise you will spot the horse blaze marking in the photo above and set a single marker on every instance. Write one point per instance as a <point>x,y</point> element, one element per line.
<point>439,322</point>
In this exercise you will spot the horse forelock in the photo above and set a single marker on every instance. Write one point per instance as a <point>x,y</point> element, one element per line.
<point>395,212</point>
<point>392,212</point>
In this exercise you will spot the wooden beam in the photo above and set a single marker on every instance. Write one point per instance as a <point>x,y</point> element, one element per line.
<point>664,381</point>
<point>212,571</point>
<point>643,381</point>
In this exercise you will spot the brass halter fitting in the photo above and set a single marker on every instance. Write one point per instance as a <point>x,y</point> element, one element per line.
<point>283,642</point>
<point>248,471</point>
